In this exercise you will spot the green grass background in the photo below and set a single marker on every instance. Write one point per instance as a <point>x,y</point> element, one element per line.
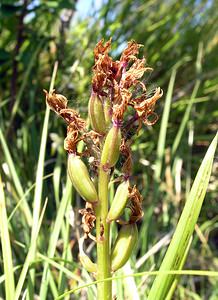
<point>38,204</point>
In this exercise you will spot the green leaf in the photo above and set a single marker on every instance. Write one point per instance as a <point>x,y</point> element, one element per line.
<point>6,247</point>
<point>185,227</point>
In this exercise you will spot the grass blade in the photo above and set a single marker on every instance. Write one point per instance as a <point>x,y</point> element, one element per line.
<point>185,227</point>
<point>6,248</point>
<point>24,205</point>
<point>176,279</point>
<point>163,127</point>
<point>29,257</point>
<point>146,273</point>
<point>185,118</point>
<point>54,238</point>
<point>39,179</point>
<point>60,267</point>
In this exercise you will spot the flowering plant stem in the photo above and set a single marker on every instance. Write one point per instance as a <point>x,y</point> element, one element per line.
<point>103,243</point>
<point>108,141</point>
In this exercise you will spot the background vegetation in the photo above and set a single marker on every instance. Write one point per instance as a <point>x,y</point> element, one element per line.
<point>180,41</point>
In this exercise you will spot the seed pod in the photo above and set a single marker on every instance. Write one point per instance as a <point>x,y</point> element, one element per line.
<point>84,259</point>
<point>111,149</point>
<point>87,263</point>
<point>124,244</point>
<point>81,181</point>
<point>107,112</point>
<point>119,201</point>
<point>96,114</point>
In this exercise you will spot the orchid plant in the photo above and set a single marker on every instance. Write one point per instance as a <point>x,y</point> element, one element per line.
<point>118,107</point>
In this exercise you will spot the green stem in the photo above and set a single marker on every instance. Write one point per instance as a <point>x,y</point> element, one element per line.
<point>103,238</point>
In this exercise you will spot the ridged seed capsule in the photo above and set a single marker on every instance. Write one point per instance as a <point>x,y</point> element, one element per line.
<point>81,181</point>
<point>119,201</point>
<point>87,263</point>
<point>124,244</point>
<point>96,114</point>
<point>111,149</point>
<point>107,112</point>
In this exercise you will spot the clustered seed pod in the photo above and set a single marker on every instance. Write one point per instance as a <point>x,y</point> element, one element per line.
<point>96,114</point>
<point>81,181</point>
<point>111,149</point>
<point>124,244</point>
<point>119,201</point>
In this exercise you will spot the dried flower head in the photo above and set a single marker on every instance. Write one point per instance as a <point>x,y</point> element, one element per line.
<point>118,80</point>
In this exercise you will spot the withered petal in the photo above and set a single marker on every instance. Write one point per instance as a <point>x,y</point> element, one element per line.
<point>149,103</point>
<point>55,101</point>
<point>135,205</point>
<point>102,48</point>
<point>130,51</point>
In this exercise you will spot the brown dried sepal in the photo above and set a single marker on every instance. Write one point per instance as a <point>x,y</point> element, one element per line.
<point>104,69</point>
<point>94,136</point>
<point>75,129</point>
<point>126,152</point>
<point>135,72</point>
<point>135,205</point>
<point>121,104</point>
<point>55,101</point>
<point>130,52</point>
<point>73,118</point>
<point>145,107</point>
<point>101,48</point>
<point>71,140</point>
<point>88,218</point>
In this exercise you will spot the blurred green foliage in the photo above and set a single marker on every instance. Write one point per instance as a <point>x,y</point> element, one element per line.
<point>181,35</point>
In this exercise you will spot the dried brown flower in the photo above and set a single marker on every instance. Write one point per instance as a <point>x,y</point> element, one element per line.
<point>118,79</point>
<point>135,205</point>
<point>130,52</point>
<point>88,218</point>
<point>126,152</point>
<point>55,101</point>
<point>71,140</point>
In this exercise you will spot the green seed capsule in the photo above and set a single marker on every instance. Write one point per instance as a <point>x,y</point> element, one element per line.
<point>96,114</point>
<point>107,112</point>
<point>124,244</point>
<point>87,263</point>
<point>111,149</point>
<point>119,201</point>
<point>81,181</point>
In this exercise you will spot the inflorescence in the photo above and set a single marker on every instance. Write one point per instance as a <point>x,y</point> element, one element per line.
<point>118,106</point>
